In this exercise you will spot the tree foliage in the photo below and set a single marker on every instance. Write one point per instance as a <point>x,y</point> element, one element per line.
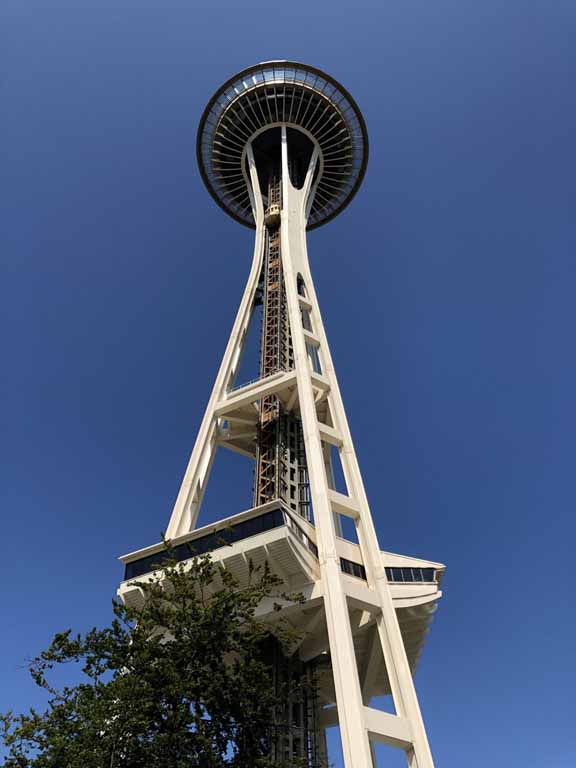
<point>180,682</point>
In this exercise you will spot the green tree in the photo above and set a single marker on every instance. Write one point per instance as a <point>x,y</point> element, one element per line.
<point>180,682</point>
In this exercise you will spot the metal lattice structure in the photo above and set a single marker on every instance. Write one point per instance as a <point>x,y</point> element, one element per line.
<point>282,147</point>
<point>295,733</point>
<point>280,471</point>
<point>276,355</point>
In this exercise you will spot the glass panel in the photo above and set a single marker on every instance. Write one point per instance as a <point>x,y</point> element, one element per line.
<point>353,569</point>
<point>306,321</point>
<point>207,543</point>
<point>314,358</point>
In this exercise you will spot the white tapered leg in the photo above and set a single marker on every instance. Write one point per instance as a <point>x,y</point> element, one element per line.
<point>187,506</point>
<point>408,730</point>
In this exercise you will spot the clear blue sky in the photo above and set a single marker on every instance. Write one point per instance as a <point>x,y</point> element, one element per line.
<point>448,284</point>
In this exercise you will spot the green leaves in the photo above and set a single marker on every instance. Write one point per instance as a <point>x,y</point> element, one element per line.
<point>179,683</point>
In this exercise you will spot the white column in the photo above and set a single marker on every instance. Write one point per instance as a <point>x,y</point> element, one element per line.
<point>187,506</point>
<point>397,666</point>
<point>349,699</point>
<point>355,742</point>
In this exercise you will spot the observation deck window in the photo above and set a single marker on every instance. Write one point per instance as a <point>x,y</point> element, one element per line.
<point>353,569</point>
<point>411,575</point>
<point>207,543</point>
<point>394,575</point>
<point>226,536</point>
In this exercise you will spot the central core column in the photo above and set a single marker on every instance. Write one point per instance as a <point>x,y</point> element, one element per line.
<point>281,469</point>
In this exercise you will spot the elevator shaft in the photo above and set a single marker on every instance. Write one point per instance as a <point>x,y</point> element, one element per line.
<point>295,738</point>
<point>281,473</point>
<point>280,454</point>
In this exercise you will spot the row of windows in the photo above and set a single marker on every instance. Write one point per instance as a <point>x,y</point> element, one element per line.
<point>252,527</point>
<point>306,540</point>
<point>353,569</point>
<point>208,543</point>
<point>410,574</point>
<point>395,575</point>
<point>224,537</point>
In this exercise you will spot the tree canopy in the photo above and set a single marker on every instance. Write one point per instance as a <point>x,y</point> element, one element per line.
<point>179,682</point>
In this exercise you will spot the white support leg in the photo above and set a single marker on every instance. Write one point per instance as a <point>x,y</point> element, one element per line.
<point>352,715</point>
<point>355,741</point>
<point>187,506</point>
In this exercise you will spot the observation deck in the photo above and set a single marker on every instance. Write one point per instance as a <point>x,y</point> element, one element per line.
<point>275,534</point>
<point>308,102</point>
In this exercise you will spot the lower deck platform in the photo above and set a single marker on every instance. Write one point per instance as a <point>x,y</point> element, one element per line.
<point>275,535</point>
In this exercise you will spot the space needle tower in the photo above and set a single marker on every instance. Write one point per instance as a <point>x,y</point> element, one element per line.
<point>282,148</point>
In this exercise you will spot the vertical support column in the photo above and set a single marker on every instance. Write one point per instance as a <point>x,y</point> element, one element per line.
<point>355,742</point>
<point>188,501</point>
<point>354,734</point>
<point>399,673</point>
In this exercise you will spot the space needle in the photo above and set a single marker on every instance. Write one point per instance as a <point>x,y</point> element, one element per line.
<point>282,148</point>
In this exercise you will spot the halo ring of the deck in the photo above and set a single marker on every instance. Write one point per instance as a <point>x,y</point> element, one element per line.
<point>296,95</point>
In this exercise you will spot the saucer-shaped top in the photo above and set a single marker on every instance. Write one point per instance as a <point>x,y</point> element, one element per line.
<point>272,94</point>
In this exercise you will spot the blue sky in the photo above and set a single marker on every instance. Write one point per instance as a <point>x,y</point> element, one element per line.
<point>448,284</point>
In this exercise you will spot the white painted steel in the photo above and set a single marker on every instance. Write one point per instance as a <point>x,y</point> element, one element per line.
<point>358,723</point>
<point>187,506</point>
<point>349,698</point>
